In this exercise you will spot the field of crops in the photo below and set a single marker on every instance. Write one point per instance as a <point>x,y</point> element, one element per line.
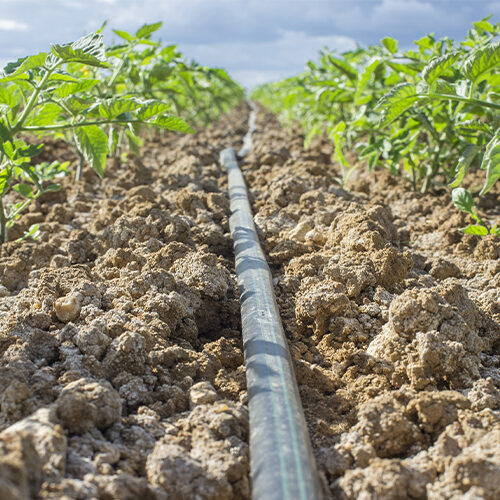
<point>373,181</point>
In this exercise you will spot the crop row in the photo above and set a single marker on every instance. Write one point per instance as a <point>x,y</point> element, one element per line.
<point>99,101</point>
<point>428,114</point>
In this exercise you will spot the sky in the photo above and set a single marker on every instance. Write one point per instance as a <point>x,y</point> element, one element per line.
<point>254,40</point>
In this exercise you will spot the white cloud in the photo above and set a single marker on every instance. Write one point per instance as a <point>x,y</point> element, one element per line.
<point>255,40</point>
<point>10,25</point>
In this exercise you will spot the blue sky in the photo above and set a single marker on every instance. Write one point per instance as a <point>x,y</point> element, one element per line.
<point>255,40</point>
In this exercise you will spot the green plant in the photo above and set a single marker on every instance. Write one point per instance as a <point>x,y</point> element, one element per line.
<point>51,92</point>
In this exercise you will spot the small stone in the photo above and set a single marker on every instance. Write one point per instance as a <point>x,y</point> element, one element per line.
<point>202,393</point>
<point>68,308</point>
<point>4,291</point>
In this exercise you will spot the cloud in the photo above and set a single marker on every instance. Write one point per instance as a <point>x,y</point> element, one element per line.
<point>257,39</point>
<point>10,25</point>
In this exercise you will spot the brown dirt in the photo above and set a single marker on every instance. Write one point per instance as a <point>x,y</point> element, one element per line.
<point>121,369</point>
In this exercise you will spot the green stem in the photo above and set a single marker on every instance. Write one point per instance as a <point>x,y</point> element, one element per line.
<point>66,126</point>
<point>479,102</point>
<point>32,101</point>
<point>3,223</point>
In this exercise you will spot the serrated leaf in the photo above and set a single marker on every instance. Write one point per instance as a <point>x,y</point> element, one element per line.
<point>86,50</point>
<point>463,164</point>
<point>46,115</point>
<point>344,67</point>
<point>173,123</point>
<point>399,99</point>
<point>410,69</point>
<point>62,76</point>
<point>475,229</point>
<point>481,62</point>
<point>4,180</point>
<point>111,108</point>
<point>77,105</point>
<point>491,163</point>
<point>484,25</point>
<point>15,69</point>
<point>92,142</point>
<point>147,29</point>
<point>24,190</point>
<point>124,35</point>
<point>365,78</point>
<point>474,126</point>
<point>390,44</point>
<point>443,87</point>
<point>439,66</point>
<point>463,200</point>
<point>7,97</point>
<point>69,89</point>
<point>152,108</point>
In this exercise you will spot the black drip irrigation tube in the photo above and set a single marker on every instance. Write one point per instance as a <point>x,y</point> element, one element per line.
<point>281,459</point>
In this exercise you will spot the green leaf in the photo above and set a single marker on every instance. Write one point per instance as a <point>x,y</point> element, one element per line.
<point>344,67</point>
<point>4,181</point>
<point>86,50</point>
<point>62,76</point>
<point>174,123</point>
<point>365,78</point>
<point>152,108</point>
<point>443,87</point>
<point>390,44</point>
<point>439,66</point>
<point>475,229</point>
<point>92,142</point>
<point>69,89</point>
<point>463,164</point>
<point>474,126</point>
<point>111,108</point>
<point>484,25</point>
<point>24,189</point>
<point>147,29</point>
<point>124,35</point>
<point>53,187</point>
<point>46,115</point>
<point>463,200</point>
<point>491,163</point>
<point>16,69</point>
<point>7,97</point>
<point>399,99</point>
<point>481,62</point>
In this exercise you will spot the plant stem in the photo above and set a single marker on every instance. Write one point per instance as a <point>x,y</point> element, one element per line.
<point>32,101</point>
<point>3,223</point>
<point>66,126</point>
<point>479,102</point>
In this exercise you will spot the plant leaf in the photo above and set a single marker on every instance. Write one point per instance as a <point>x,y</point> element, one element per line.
<point>86,50</point>
<point>4,180</point>
<point>92,142</point>
<point>463,200</point>
<point>111,108</point>
<point>344,67</point>
<point>481,62</point>
<point>46,115</point>
<point>475,229</point>
<point>463,164</point>
<point>399,99</point>
<point>439,66</point>
<point>24,190</point>
<point>68,89</point>
<point>124,35</point>
<point>147,29</point>
<point>491,163</point>
<point>174,123</point>
<point>365,78</point>
<point>390,44</point>
<point>18,69</point>
<point>152,108</point>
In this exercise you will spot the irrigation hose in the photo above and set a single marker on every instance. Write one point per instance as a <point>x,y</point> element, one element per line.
<point>281,459</point>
